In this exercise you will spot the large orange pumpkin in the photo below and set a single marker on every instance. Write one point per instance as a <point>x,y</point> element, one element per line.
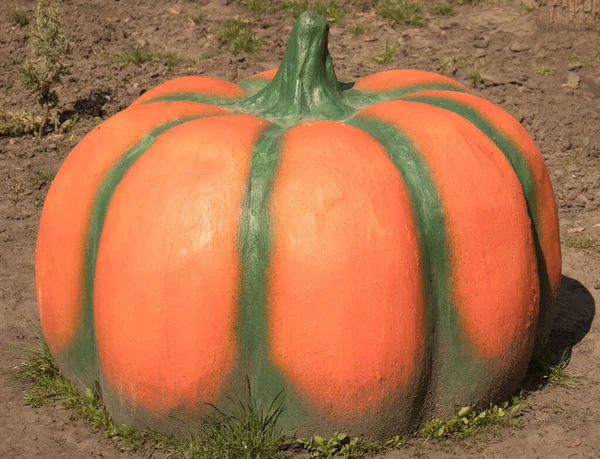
<point>382,251</point>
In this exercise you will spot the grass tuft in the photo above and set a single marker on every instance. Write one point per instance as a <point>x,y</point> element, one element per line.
<point>387,54</point>
<point>238,35</point>
<point>20,17</point>
<point>356,29</point>
<point>441,9</point>
<point>19,123</point>
<point>474,76</point>
<point>581,242</point>
<point>135,54</point>
<point>198,17</point>
<point>251,430</point>
<point>170,58</point>
<point>260,6</point>
<point>402,12</point>
<point>544,70</point>
<point>329,9</point>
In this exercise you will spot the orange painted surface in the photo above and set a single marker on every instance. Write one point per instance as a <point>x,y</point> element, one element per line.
<point>66,214</point>
<point>267,75</point>
<point>546,204</point>
<point>391,80</point>
<point>346,312</point>
<point>168,266</point>
<point>493,266</point>
<point>194,84</point>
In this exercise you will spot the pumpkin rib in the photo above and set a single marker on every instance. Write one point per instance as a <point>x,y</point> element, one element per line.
<point>343,235</point>
<point>168,268</point>
<point>516,145</point>
<point>63,225</point>
<point>473,319</point>
<point>84,348</point>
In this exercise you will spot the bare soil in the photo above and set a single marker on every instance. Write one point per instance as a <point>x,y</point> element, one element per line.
<point>523,69</point>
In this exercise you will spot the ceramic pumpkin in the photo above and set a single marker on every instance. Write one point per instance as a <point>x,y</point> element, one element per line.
<point>382,251</point>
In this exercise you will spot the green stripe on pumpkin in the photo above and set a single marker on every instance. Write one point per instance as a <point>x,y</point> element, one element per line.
<point>360,98</point>
<point>81,356</point>
<point>516,159</point>
<point>254,364</point>
<point>446,351</point>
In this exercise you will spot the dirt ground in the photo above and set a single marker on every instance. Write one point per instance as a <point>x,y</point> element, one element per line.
<point>522,69</point>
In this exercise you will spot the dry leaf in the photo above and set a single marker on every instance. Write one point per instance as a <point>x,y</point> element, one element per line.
<point>579,229</point>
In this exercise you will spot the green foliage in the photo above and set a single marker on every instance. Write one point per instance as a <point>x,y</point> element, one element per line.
<point>20,17</point>
<point>402,11</point>
<point>441,9</point>
<point>387,54</point>
<point>50,47</point>
<point>16,124</point>
<point>249,431</point>
<point>474,76</point>
<point>341,445</point>
<point>467,422</point>
<point>329,9</point>
<point>238,35</point>
<point>581,243</point>
<point>552,368</point>
<point>356,29</point>
<point>260,6</point>
<point>198,17</point>
<point>135,54</point>
<point>544,70</point>
<point>170,58</point>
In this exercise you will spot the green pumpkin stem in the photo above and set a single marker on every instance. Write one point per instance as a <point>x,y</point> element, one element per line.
<point>305,85</point>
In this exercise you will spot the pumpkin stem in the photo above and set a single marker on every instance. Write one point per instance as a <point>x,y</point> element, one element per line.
<point>305,85</point>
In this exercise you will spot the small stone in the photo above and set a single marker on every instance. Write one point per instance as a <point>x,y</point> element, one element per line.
<point>519,47</point>
<point>575,65</point>
<point>479,53</point>
<point>573,81</point>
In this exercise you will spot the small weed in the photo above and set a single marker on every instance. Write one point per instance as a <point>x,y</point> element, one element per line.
<point>170,58</point>
<point>237,34</point>
<point>20,17</point>
<point>552,369</point>
<point>16,124</point>
<point>135,54</point>
<point>474,76</point>
<point>402,11</point>
<point>441,9</point>
<point>342,445</point>
<point>260,6</point>
<point>544,70</point>
<point>581,243</point>
<point>387,54</point>
<point>43,176</point>
<point>329,9</point>
<point>198,17</point>
<point>40,76</point>
<point>250,431</point>
<point>356,30</point>
<point>467,422</point>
